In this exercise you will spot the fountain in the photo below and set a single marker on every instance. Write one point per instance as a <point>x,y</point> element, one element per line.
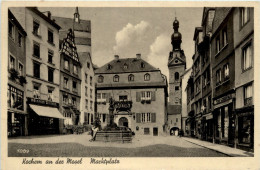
<point>112,133</point>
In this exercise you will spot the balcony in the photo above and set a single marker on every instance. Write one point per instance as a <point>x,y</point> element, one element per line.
<point>123,105</point>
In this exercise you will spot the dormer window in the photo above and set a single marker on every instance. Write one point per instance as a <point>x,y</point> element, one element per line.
<point>142,65</point>
<point>116,78</point>
<point>109,67</point>
<point>131,77</point>
<point>147,77</point>
<point>125,66</point>
<point>100,79</point>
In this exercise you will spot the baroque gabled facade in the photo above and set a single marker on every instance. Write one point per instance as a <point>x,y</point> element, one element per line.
<point>139,91</point>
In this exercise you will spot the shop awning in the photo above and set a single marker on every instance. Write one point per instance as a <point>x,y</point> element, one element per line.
<point>47,111</point>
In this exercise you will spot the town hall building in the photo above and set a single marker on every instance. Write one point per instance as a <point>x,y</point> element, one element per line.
<point>139,91</point>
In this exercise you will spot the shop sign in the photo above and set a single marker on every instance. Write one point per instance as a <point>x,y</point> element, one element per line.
<point>42,102</point>
<point>223,99</point>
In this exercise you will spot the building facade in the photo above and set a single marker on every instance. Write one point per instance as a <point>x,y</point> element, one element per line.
<point>16,93</point>
<point>223,72</point>
<point>70,78</point>
<point>244,76</point>
<point>139,92</point>
<point>205,52</point>
<point>42,70</point>
<point>177,66</point>
<point>82,33</point>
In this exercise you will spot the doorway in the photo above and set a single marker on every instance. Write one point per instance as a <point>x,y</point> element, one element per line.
<point>155,131</point>
<point>123,121</point>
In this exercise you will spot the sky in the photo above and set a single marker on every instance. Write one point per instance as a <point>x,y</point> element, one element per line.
<point>126,31</point>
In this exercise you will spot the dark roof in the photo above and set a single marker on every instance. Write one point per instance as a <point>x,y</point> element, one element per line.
<point>205,12</point>
<point>220,14</point>
<point>133,64</point>
<point>174,109</point>
<point>12,17</point>
<point>35,10</point>
<point>67,23</point>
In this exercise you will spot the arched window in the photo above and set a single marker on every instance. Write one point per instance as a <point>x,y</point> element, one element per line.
<point>116,78</point>
<point>147,77</point>
<point>176,76</point>
<point>100,79</point>
<point>131,77</point>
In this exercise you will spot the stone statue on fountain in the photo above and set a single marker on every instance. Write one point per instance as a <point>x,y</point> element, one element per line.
<point>111,125</point>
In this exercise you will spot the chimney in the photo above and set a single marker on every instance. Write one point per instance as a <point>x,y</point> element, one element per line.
<point>116,57</point>
<point>49,14</point>
<point>138,56</point>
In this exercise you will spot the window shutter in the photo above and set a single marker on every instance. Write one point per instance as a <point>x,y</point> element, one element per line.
<point>138,117</point>
<point>153,117</point>
<point>153,96</point>
<point>138,96</point>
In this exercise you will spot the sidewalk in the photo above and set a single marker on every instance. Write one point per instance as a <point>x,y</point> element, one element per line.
<point>233,152</point>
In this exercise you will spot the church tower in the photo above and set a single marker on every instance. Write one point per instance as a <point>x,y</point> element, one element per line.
<point>177,66</point>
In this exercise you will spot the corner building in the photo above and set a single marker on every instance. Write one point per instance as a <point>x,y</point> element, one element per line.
<point>139,91</point>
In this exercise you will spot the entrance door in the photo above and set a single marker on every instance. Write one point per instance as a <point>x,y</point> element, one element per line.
<point>123,121</point>
<point>155,131</point>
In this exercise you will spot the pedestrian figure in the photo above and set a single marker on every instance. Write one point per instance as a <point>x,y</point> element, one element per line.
<point>93,133</point>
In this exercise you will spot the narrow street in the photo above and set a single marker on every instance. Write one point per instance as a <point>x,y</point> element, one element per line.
<point>79,146</point>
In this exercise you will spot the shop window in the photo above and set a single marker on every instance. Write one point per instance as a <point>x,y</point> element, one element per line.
<point>226,123</point>
<point>244,16</point>
<point>245,129</point>
<point>36,50</point>
<point>248,95</point>
<point>247,57</point>
<point>50,36</point>
<point>146,131</point>
<point>147,77</point>
<point>116,78</point>
<point>36,70</point>
<point>15,98</point>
